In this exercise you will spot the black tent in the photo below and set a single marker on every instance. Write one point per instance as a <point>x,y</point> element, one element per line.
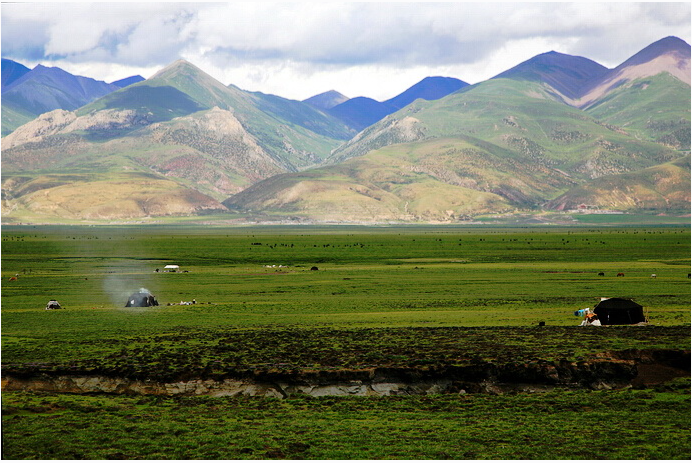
<point>142,299</point>
<point>617,311</point>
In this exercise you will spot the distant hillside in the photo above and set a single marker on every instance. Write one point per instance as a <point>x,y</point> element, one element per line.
<point>44,89</point>
<point>11,71</point>
<point>361,112</point>
<point>122,83</point>
<point>66,198</point>
<point>430,88</point>
<point>490,148</point>
<point>655,108</point>
<point>326,100</point>
<point>295,134</point>
<point>13,116</point>
<point>648,95</point>
<point>408,183</point>
<point>304,115</point>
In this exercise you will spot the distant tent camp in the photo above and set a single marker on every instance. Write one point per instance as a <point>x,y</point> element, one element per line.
<point>142,299</point>
<point>617,311</point>
<point>171,268</point>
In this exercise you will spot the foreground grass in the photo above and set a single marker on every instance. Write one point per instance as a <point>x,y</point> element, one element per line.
<point>408,296</point>
<point>628,424</point>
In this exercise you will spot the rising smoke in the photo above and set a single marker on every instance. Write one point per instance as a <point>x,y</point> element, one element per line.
<point>119,284</point>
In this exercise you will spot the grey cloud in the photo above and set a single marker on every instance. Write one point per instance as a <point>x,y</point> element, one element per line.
<point>24,39</point>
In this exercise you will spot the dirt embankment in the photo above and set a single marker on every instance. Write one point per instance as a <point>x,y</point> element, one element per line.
<point>628,368</point>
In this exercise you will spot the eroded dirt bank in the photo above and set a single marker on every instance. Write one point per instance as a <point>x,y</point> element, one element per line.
<point>638,368</point>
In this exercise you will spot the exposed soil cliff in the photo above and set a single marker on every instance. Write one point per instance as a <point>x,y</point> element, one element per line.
<point>630,368</point>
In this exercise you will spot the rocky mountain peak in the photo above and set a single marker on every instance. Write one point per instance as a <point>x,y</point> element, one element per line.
<point>670,55</point>
<point>179,66</point>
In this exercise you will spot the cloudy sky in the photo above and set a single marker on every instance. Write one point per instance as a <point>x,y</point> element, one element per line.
<point>297,50</point>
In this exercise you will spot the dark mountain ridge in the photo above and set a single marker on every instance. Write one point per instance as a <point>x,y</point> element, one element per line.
<point>565,73</point>
<point>430,88</point>
<point>46,88</point>
<point>11,71</point>
<point>362,112</point>
<point>326,100</point>
<point>122,83</point>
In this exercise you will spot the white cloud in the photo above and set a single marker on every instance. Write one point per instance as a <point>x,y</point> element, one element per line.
<point>374,49</point>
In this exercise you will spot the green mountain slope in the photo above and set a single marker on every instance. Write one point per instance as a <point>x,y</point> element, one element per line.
<point>295,134</point>
<point>549,137</point>
<point>208,150</point>
<point>521,119</point>
<point>655,108</point>
<point>436,180</point>
<point>662,188</point>
<point>493,147</point>
<point>182,126</point>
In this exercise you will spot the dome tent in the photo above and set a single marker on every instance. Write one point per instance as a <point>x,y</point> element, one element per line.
<point>143,298</point>
<point>618,311</point>
<point>52,305</point>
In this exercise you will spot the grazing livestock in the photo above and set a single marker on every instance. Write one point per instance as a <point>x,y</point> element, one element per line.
<point>314,269</point>
<point>601,274</point>
<point>653,275</point>
<point>13,279</point>
<point>621,274</point>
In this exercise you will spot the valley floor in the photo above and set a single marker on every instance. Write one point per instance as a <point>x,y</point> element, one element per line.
<point>280,301</point>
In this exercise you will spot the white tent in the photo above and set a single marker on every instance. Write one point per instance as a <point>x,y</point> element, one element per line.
<point>171,268</point>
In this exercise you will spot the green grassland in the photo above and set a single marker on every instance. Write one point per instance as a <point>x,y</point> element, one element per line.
<point>254,278</point>
<point>390,296</point>
<point>627,425</point>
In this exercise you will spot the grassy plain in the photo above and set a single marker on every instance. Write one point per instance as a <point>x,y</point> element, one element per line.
<point>401,296</point>
<point>596,425</point>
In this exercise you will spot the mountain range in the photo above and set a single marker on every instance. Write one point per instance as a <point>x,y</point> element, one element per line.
<point>557,132</point>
